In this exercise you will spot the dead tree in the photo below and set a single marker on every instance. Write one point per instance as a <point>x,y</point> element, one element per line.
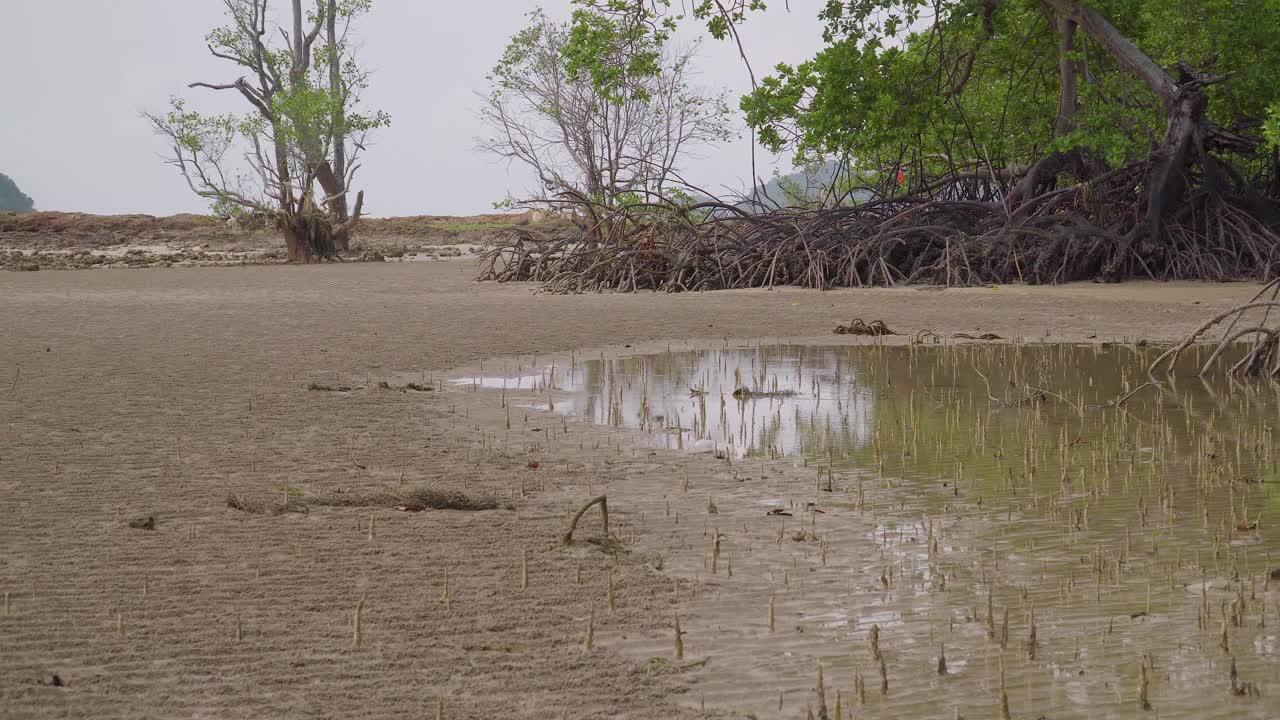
<point>591,146</point>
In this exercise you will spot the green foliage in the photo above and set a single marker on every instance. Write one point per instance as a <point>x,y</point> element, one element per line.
<point>601,29</point>
<point>268,154</point>
<point>12,199</point>
<point>612,54</point>
<point>598,107</point>
<point>310,109</point>
<point>223,208</point>
<point>1272,126</point>
<point>890,85</point>
<point>522,54</point>
<point>882,83</point>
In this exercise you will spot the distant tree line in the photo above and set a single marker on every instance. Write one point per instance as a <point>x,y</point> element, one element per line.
<point>12,199</point>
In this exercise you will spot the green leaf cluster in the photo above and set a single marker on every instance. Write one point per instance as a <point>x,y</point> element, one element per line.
<point>941,82</point>
<point>890,79</point>
<point>293,113</point>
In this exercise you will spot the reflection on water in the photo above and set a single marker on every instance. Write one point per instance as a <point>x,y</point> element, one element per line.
<point>1036,507</point>
<point>688,399</point>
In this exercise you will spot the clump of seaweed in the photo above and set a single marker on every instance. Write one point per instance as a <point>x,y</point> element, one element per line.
<point>144,522</point>
<point>384,385</point>
<point>858,326</point>
<point>246,504</point>
<point>411,500</point>
<point>317,387</point>
<point>743,393</point>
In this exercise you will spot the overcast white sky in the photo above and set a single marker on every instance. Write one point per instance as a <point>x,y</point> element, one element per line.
<point>77,73</point>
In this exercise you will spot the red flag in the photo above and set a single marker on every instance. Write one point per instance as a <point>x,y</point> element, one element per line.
<point>901,178</point>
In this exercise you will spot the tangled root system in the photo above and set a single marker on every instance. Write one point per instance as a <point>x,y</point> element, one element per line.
<point>1089,230</point>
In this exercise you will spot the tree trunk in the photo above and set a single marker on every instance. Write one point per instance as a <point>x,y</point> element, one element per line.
<point>310,137</point>
<point>331,183</point>
<point>338,138</point>
<point>1185,103</point>
<point>1119,47</point>
<point>308,236</point>
<point>1043,176</point>
<point>1067,78</point>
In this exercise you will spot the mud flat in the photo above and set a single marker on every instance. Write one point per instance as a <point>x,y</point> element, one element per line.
<point>167,393</point>
<point>872,496</point>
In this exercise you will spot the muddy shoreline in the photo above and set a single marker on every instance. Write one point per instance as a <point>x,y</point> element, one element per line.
<point>77,241</point>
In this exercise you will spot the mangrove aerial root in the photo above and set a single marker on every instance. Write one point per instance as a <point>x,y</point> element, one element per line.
<point>1253,322</point>
<point>1087,231</point>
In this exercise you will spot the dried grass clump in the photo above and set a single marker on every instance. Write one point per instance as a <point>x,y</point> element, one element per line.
<point>416,387</point>
<point>743,393</point>
<point>412,500</point>
<point>145,522</point>
<point>610,545</point>
<point>246,504</point>
<point>317,387</point>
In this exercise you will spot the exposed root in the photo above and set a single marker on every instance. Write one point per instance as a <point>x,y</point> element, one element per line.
<point>1239,687</point>
<point>1032,395</point>
<point>1259,329</point>
<point>1089,230</point>
<point>603,502</point>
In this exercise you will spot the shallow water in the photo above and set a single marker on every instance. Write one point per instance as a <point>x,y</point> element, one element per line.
<point>959,486</point>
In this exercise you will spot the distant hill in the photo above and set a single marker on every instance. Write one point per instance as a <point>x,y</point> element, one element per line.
<point>12,199</point>
<point>805,186</point>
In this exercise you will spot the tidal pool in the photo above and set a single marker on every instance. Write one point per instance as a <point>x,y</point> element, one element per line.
<point>1037,515</point>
